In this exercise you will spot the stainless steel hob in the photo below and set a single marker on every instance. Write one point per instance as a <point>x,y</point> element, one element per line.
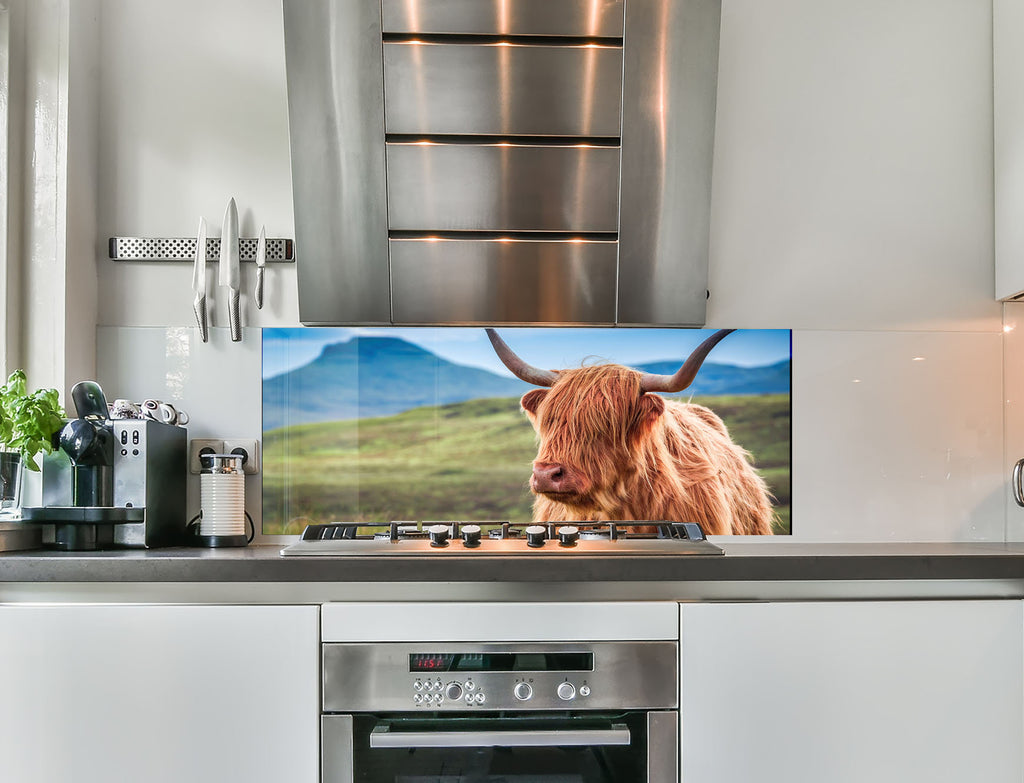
<point>468,539</point>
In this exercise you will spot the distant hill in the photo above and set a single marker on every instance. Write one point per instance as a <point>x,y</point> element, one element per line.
<point>714,379</point>
<point>367,377</point>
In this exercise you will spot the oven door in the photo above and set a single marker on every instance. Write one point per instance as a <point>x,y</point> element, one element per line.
<point>629,747</point>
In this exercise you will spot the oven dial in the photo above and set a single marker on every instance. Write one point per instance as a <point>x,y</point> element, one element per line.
<point>417,686</point>
<point>584,690</point>
<point>479,697</point>
<point>470,685</point>
<point>453,691</point>
<point>566,691</point>
<point>522,691</point>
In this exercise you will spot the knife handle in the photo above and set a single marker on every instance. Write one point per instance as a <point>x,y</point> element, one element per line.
<point>258,294</point>
<point>234,317</point>
<point>199,306</point>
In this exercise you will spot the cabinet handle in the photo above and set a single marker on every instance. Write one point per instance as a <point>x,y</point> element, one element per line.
<point>1018,489</point>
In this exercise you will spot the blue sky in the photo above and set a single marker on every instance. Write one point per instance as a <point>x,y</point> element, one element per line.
<point>287,348</point>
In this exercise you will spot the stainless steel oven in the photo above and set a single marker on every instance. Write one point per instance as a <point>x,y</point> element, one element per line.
<point>518,712</point>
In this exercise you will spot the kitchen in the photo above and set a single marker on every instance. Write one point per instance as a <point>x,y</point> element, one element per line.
<point>853,202</point>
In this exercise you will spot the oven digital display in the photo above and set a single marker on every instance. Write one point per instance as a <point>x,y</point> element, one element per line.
<point>502,662</point>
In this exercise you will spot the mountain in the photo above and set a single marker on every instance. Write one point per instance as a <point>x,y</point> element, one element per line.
<point>367,377</point>
<point>728,378</point>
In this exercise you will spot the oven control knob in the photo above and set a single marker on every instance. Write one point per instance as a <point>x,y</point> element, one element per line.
<point>471,535</point>
<point>566,691</point>
<point>522,691</point>
<point>438,535</point>
<point>535,535</point>
<point>568,535</point>
<point>453,691</point>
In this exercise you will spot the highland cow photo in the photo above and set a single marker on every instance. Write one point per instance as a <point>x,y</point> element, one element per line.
<point>373,425</point>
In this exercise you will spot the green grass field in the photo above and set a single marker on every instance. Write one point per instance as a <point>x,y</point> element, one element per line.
<point>467,460</point>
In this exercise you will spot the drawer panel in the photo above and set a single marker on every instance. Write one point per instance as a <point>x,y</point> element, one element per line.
<point>602,18</point>
<point>502,89</point>
<point>502,187</point>
<point>455,281</point>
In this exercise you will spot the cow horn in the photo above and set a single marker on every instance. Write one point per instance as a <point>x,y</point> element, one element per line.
<point>519,368</point>
<point>650,382</point>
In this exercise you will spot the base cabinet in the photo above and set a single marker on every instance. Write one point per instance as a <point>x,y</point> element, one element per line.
<point>852,692</point>
<point>159,694</point>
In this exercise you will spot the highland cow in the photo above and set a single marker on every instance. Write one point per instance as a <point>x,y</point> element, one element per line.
<point>611,449</point>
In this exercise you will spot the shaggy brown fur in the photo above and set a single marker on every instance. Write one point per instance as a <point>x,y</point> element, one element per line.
<point>638,456</point>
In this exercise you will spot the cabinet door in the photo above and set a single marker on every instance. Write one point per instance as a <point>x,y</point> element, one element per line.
<point>159,694</point>
<point>837,692</point>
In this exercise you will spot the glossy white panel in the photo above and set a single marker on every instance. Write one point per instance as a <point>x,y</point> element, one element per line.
<point>853,166</point>
<point>217,383</point>
<point>1013,393</point>
<point>161,694</point>
<point>502,622</point>
<point>194,112</point>
<point>850,692</point>
<point>897,436</point>
<point>1008,131</point>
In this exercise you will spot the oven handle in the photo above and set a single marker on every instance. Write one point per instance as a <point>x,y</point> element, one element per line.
<point>382,737</point>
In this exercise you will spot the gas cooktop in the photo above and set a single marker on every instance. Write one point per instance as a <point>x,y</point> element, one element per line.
<point>499,538</point>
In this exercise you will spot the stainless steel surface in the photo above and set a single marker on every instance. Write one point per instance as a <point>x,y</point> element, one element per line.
<point>453,88</point>
<point>383,737</point>
<point>662,747</point>
<point>19,536</point>
<point>602,18</point>
<point>526,111</point>
<point>261,263</point>
<point>229,273</point>
<point>221,463</point>
<point>199,282</point>
<point>502,187</point>
<point>336,748</point>
<point>462,281</point>
<point>336,121</point>
<point>668,127</point>
<point>279,251</point>
<point>376,678</point>
<point>500,548</point>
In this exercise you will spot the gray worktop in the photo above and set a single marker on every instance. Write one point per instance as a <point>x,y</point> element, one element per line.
<point>749,569</point>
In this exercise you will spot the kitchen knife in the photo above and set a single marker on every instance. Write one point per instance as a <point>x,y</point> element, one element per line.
<point>261,262</point>
<point>199,281</point>
<point>229,275</point>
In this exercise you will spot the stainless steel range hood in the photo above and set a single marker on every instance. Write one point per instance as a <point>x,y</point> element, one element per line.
<point>502,161</point>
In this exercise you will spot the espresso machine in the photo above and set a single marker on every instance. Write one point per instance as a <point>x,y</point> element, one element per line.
<point>113,482</point>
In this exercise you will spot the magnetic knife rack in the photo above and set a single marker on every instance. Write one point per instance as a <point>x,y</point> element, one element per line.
<point>279,251</point>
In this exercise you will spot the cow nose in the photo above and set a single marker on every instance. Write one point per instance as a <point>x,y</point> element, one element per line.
<point>548,477</point>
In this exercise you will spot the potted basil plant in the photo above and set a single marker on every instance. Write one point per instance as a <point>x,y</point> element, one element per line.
<point>28,423</point>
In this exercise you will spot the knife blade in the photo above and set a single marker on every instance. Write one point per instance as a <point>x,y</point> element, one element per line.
<point>229,275</point>
<point>199,282</point>
<point>261,262</point>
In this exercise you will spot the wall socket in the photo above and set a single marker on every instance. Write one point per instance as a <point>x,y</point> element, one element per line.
<point>249,447</point>
<point>199,446</point>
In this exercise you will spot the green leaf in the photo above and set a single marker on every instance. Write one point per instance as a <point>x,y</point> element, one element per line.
<point>28,421</point>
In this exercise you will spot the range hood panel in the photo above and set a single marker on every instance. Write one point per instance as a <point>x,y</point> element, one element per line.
<point>580,133</point>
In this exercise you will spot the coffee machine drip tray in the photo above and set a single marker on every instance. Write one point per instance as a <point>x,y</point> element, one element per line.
<point>83,527</point>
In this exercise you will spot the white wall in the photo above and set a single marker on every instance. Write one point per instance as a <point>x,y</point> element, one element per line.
<point>852,203</point>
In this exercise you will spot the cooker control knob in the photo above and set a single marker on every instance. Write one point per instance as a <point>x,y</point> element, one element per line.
<point>566,691</point>
<point>522,691</point>
<point>453,691</point>
<point>535,535</point>
<point>471,535</point>
<point>568,535</point>
<point>438,535</point>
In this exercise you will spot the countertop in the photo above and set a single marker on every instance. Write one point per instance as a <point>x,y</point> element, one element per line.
<point>747,571</point>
